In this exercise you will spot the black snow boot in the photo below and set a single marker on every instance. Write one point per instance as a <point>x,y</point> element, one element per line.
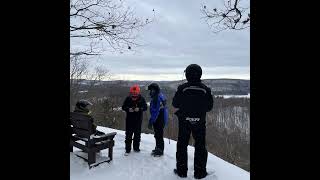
<point>180,174</point>
<point>157,152</point>
<point>154,150</point>
<point>200,175</point>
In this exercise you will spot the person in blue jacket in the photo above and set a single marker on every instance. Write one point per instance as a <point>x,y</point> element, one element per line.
<point>159,117</point>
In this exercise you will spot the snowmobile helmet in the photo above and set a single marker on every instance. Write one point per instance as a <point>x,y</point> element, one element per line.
<point>83,105</point>
<point>154,89</point>
<point>134,92</point>
<point>193,73</point>
<point>154,86</point>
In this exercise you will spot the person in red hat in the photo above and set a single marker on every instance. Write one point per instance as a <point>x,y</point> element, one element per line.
<point>134,105</point>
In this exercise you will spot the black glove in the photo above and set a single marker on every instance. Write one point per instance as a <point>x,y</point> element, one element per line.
<point>150,126</point>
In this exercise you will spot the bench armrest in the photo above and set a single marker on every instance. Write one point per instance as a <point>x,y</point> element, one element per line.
<point>98,138</point>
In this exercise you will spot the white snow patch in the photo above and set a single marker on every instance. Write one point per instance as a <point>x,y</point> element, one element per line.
<point>85,91</point>
<point>117,109</point>
<point>234,96</point>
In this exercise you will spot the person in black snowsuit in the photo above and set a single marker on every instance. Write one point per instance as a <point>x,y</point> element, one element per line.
<point>83,107</point>
<point>158,118</point>
<point>192,100</point>
<point>134,105</point>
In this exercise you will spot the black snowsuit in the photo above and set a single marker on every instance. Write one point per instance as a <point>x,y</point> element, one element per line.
<point>134,121</point>
<point>193,99</point>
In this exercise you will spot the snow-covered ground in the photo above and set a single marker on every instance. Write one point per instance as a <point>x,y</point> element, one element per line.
<point>234,96</point>
<point>142,166</point>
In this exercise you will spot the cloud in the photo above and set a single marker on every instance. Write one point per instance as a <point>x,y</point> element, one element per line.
<point>177,38</point>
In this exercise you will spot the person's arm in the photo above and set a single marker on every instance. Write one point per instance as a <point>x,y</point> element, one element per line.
<point>165,110</point>
<point>154,111</point>
<point>163,100</point>
<point>125,106</point>
<point>144,105</point>
<point>210,100</point>
<point>176,102</point>
<point>177,99</point>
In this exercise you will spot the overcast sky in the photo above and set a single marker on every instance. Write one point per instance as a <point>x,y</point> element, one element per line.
<point>178,37</point>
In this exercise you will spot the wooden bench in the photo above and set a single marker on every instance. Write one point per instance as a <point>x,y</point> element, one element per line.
<point>82,137</point>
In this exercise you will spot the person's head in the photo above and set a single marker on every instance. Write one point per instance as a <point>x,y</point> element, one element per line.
<point>154,89</point>
<point>134,92</point>
<point>83,106</point>
<point>193,73</point>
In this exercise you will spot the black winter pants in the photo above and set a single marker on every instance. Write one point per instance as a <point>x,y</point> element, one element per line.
<point>158,127</point>
<point>198,130</point>
<point>133,127</point>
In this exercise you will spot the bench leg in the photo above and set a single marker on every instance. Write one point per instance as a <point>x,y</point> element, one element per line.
<point>91,157</point>
<point>110,153</point>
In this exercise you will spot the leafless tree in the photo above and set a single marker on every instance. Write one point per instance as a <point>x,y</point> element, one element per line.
<point>100,73</point>
<point>80,73</point>
<point>231,16</point>
<point>99,21</point>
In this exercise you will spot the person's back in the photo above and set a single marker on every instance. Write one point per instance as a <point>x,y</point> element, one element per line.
<point>192,100</point>
<point>83,108</point>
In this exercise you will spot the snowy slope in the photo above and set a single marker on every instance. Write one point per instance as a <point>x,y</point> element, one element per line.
<point>234,96</point>
<point>142,166</point>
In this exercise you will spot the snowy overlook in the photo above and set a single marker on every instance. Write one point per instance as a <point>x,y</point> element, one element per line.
<point>143,166</point>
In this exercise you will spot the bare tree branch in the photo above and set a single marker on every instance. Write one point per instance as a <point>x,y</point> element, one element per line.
<point>233,16</point>
<point>107,21</point>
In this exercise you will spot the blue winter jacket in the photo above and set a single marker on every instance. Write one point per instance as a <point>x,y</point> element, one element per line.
<point>155,109</point>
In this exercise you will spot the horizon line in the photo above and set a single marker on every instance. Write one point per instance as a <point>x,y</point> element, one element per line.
<point>173,80</point>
